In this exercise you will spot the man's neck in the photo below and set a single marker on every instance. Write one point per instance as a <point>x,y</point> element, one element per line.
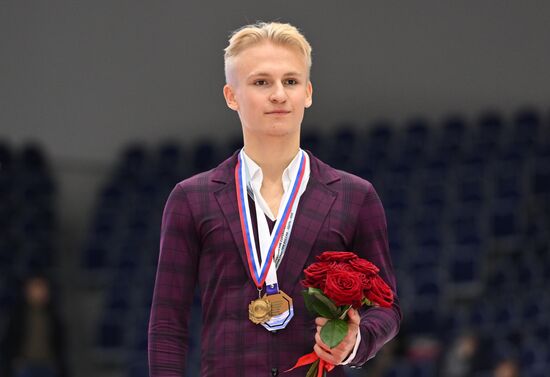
<point>272,155</point>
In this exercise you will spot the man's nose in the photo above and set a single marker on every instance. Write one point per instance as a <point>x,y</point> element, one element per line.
<point>279,93</point>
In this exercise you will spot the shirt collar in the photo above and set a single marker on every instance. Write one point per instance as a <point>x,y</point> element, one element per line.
<point>256,174</point>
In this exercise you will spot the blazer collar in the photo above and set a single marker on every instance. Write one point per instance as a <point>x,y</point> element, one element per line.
<point>323,173</point>
<point>313,208</point>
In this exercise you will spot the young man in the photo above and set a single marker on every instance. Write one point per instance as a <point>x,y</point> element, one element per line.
<point>245,230</point>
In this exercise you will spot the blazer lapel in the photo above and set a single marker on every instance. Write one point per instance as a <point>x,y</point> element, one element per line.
<point>227,200</point>
<point>313,209</point>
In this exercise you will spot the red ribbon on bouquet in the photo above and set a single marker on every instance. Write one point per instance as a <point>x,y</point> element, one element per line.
<point>311,358</point>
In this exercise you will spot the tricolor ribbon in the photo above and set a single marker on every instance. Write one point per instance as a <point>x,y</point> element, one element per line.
<point>259,276</point>
<point>311,358</point>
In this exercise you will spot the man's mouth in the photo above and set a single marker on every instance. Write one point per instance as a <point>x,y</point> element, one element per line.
<point>278,112</point>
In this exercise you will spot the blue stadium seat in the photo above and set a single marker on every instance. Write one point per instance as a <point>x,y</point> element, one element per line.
<point>466,228</point>
<point>311,141</point>
<point>112,196</point>
<point>510,160</point>
<point>428,229</point>
<point>95,256</point>
<point>531,311</point>
<point>395,198</point>
<point>342,148</point>
<point>542,331</point>
<point>138,367</point>
<point>6,156</point>
<point>381,134</point>
<point>169,155</point>
<point>205,156</point>
<point>498,280</point>
<point>437,167</point>
<point>424,320</point>
<point>540,183</point>
<point>378,146</point>
<point>532,353</point>
<point>506,220</point>
<point>429,289</point>
<point>505,315</point>
<point>507,186</point>
<point>464,271</point>
<point>434,195</point>
<point>398,369</point>
<point>527,124</point>
<point>413,146</point>
<point>111,332</point>
<point>118,299</point>
<point>417,133</point>
<point>490,125</point>
<point>454,128</point>
<point>472,164</point>
<point>33,158</point>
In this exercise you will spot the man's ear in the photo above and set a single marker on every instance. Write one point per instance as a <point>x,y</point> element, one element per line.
<point>229,96</point>
<point>309,94</point>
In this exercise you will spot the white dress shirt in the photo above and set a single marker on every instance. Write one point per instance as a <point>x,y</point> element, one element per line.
<point>256,178</point>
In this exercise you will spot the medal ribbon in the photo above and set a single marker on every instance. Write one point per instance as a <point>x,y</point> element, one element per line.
<point>258,270</point>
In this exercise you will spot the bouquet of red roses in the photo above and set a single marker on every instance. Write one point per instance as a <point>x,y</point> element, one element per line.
<point>338,281</point>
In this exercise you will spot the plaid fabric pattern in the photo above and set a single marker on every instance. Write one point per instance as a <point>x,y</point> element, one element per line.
<point>201,243</point>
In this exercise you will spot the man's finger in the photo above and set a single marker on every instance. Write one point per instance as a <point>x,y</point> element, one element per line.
<point>354,316</point>
<point>320,342</point>
<point>324,355</point>
<point>320,321</point>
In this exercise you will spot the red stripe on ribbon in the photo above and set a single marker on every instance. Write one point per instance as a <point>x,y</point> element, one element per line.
<point>241,196</point>
<point>243,228</point>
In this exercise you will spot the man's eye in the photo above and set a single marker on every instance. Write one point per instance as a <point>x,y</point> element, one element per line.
<point>291,82</point>
<point>260,82</point>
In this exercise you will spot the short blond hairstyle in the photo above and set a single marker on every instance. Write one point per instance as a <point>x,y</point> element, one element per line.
<point>275,32</point>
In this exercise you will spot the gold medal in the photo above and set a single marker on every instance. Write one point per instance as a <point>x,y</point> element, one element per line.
<point>259,310</point>
<point>280,303</point>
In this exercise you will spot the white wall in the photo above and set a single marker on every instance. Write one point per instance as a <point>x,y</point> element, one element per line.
<point>86,77</point>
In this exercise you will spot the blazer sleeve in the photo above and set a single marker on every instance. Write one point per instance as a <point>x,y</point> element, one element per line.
<point>378,325</point>
<point>174,288</point>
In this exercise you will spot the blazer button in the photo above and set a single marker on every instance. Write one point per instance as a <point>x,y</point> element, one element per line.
<point>274,371</point>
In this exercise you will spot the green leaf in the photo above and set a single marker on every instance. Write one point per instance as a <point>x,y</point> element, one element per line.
<point>314,305</point>
<point>320,308</point>
<point>312,290</point>
<point>308,300</point>
<point>317,293</point>
<point>367,302</point>
<point>333,332</point>
<point>312,371</point>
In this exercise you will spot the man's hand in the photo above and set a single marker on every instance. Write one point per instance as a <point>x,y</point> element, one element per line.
<point>342,351</point>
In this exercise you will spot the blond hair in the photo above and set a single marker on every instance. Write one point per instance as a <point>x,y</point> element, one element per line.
<point>275,32</point>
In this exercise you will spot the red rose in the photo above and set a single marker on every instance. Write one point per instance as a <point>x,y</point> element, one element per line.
<point>379,292</point>
<point>336,256</point>
<point>344,266</point>
<point>364,266</point>
<point>316,274</point>
<point>366,281</point>
<point>344,288</point>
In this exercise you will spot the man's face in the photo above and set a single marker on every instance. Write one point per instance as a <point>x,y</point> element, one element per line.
<point>269,87</point>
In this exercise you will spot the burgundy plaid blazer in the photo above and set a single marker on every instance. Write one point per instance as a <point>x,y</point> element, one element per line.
<point>201,243</point>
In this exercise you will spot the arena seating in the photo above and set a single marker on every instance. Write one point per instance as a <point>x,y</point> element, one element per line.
<point>27,218</point>
<point>468,211</point>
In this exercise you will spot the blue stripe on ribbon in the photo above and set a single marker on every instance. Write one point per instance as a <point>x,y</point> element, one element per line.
<point>251,247</point>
